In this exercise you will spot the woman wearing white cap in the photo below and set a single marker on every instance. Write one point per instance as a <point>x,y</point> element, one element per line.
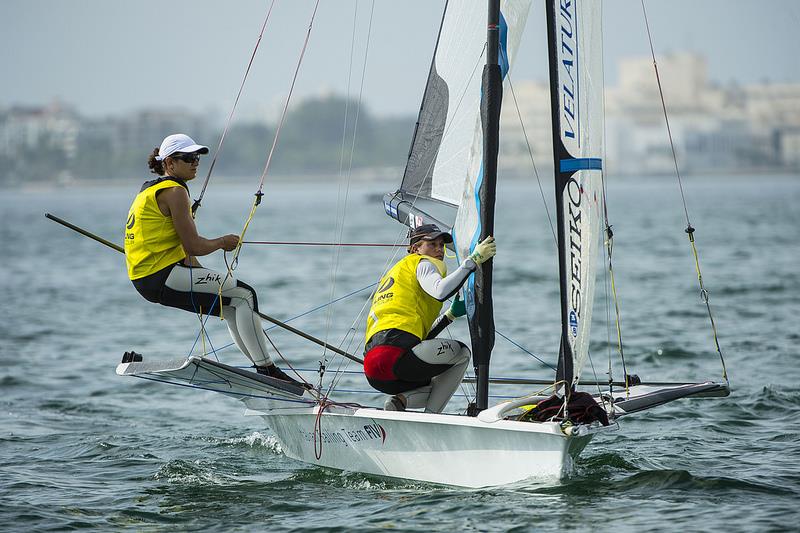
<point>402,357</point>
<point>162,245</point>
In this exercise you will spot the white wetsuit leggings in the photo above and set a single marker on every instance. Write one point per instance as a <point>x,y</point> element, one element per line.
<point>435,354</point>
<point>196,289</point>
<point>427,374</point>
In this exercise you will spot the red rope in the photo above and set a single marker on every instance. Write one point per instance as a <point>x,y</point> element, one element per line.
<point>297,243</point>
<point>324,404</point>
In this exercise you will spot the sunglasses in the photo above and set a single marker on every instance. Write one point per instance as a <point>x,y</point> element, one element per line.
<point>186,158</point>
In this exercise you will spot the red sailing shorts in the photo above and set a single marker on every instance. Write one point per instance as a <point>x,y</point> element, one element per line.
<point>379,362</point>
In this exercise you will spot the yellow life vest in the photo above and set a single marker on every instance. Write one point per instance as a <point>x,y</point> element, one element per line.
<point>401,303</point>
<point>151,242</point>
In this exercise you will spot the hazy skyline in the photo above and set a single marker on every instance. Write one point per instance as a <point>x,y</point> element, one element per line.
<point>107,57</point>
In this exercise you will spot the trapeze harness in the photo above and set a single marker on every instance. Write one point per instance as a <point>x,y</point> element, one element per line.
<point>157,269</point>
<point>400,353</point>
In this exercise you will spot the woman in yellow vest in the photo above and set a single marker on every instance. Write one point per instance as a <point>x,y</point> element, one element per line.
<point>162,245</point>
<point>402,357</point>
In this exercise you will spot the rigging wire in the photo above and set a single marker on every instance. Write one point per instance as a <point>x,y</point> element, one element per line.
<point>288,364</point>
<point>339,244</point>
<point>259,193</point>
<point>330,303</point>
<point>199,199</point>
<point>704,296</point>
<point>530,153</point>
<point>342,202</point>
<point>608,249</point>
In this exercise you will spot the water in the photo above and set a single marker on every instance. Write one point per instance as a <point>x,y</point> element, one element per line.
<point>83,448</point>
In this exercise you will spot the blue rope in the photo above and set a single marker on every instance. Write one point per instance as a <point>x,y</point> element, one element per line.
<point>214,351</point>
<point>325,304</point>
<point>203,321</point>
<point>525,350</point>
<point>322,306</point>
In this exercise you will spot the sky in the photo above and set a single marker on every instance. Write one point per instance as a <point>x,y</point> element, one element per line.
<point>110,57</point>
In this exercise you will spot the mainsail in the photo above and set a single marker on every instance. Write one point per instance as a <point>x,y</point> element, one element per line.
<point>576,90</point>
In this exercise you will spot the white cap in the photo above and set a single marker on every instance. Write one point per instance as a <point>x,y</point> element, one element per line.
<point>179,142</point>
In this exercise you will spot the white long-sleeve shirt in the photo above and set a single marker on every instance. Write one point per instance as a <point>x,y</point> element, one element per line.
<point>440,287</point>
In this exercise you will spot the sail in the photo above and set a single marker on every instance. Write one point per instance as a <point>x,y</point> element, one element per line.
<point>446,151</point>
<point>576,86</point>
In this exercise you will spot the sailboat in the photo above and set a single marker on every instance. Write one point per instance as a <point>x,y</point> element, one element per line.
<point>450,180</point>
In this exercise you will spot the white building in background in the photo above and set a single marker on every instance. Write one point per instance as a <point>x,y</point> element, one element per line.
<point>715,129</point>
<point>39,142</point>
<point>533,100</point>
<point>789,146</point>
<point>773,109</point>
<point>44,128</point>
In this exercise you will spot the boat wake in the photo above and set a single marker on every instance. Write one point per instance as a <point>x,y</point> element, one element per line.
<point>357,480</point>
<point>255,440</point>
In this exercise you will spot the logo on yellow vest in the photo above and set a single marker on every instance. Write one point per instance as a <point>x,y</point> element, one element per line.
<point>386,285</point>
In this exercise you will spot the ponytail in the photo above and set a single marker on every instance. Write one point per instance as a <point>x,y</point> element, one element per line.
<point>156,166</point>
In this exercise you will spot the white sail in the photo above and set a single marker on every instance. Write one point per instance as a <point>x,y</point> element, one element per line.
<point>466,229</point>
<point>445,157</point>
<point>577,87</point>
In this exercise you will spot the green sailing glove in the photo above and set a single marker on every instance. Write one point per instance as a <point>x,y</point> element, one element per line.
<point>457,308</point>
<point>484,251</point>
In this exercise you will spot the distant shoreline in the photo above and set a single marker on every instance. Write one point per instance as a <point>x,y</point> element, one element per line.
<point>381,176</point>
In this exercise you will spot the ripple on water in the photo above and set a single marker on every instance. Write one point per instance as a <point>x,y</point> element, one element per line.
<point>191,473</point>
<point>82,448</point>
<point>8,382</point>
<point>681,480</point>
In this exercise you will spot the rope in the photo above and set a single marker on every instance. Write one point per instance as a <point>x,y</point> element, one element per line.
<point>323,404</point>
<point>199,199</point>
<point>689,229</point>
<point>338,244</point>
<point>615,298</point>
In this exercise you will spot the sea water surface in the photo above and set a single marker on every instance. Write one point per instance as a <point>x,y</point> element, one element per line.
<point>81,448</point>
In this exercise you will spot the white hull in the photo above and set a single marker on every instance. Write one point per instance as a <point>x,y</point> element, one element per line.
<point>481,451</point>
<point>447,449</point>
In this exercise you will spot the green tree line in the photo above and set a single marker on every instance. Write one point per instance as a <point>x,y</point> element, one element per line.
<point>316,138</point>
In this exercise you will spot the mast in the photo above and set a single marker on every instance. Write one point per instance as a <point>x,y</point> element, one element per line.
<point>482,321</point>
<point>565,370</point>
<point>576,98</point>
